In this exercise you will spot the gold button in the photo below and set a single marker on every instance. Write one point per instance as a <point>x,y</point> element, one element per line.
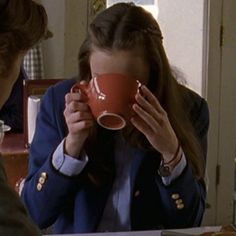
<point>175,196</point>
<point>180,206</point>
<point>39,186</point>
<point>137,193</point>
<point>42,180</point>
<point>179,201</point>
<point>44,175</point>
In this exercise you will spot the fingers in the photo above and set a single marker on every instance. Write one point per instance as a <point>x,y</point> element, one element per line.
<point>77,106</point>
<point>79,116</point>
<point>150,122</point>
<point>77,113</point>
<point>84,82</point>
<point>82,125</point>
<point>148,107</point>
<point>79,97</point>
<point>146,93</point>
<point>140,125</point>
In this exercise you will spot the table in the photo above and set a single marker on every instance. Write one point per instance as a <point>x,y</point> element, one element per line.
<point>15,157</point>
<point>182,232</point>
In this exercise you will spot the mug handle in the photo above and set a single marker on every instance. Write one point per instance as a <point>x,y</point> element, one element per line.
<point>81,88</point>
<point>77,88</point>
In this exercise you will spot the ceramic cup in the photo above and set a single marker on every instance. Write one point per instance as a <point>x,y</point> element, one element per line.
<point>1,131</point>
<point>110,98</point>
<point>3,128</point>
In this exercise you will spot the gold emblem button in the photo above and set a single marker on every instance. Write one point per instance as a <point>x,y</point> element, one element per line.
<point>137,193</point>
<point>44,175</point>
<point>179,201</point>
<point>180,206</point>
<point>42,180</point>
<point>39,186</point>
<point>175,196</point>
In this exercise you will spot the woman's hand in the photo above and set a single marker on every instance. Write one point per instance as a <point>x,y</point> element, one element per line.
<point>79,121</point>
<point>152,120</point>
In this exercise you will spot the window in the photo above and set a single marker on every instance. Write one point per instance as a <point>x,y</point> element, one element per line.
<point>149,5</point>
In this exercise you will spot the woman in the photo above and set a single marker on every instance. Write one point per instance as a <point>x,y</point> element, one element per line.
<point>83,178</point>
<point>22,24</point>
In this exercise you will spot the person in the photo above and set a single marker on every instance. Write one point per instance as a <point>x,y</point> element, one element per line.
<point>12,111</point>
<point>22,24</point>
<point>150,175</point>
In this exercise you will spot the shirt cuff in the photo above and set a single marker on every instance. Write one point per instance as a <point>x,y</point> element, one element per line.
<point>176,172</point>
<point>66,164</point>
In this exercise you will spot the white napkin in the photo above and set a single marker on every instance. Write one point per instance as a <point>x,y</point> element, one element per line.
<point>1,131</point>
<point>32,112</point>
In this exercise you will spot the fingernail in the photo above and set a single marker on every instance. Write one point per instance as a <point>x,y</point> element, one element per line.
<point>144,87</point>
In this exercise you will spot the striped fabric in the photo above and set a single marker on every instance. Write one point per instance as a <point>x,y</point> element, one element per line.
<point>33,63</point>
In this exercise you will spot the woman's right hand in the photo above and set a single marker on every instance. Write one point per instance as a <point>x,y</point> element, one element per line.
<point>79,121</point>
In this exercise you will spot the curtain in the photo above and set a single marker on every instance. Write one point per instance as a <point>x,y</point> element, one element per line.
<point>33,63</point>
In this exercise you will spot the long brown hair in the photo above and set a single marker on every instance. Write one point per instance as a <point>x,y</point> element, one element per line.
<point>125,26</point>
<point>22,24</point>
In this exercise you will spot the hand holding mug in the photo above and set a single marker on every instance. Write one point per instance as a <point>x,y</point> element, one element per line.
<point>152,120</point>
<point>79,121</point>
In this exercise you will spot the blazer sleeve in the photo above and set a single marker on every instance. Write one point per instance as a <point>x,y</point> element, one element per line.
<point>183,201</point>
<point>14,219</point>
<point>46,190</point>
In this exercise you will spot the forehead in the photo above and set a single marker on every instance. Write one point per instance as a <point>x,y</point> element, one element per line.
<point>127,62</point>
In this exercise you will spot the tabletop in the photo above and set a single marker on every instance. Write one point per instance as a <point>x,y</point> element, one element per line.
<point>15,157</point>
<point>174,232</point>
<point>13,143</point>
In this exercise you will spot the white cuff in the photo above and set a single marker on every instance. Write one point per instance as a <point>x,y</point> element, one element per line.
<point>176,172</point>
<point>66,164</point>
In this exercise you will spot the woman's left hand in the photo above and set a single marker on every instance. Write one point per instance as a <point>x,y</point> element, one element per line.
<point>152,120</point>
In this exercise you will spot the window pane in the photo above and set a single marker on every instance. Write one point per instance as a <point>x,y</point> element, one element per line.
<point>149,5</point>
<point>138,2</point>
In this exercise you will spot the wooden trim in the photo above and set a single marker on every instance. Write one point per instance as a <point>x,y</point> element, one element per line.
<point>212,96</point>
<point>227,124</point>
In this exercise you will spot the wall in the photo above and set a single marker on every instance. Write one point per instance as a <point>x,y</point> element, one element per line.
<point>53,49</point>
<point>68,22</point>
<point>76,22</point>
<point>184,41</point>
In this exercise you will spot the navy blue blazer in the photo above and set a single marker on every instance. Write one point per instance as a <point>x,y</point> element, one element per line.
<point>76,206</point>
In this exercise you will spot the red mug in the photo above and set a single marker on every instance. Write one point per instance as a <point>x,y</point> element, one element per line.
<point>110,98</point>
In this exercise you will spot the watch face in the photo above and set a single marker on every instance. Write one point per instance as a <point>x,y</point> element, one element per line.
<point>164,171</point>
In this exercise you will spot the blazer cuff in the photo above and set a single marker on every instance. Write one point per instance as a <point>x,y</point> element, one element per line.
<point>176,172</point>
<point>66,164</point>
